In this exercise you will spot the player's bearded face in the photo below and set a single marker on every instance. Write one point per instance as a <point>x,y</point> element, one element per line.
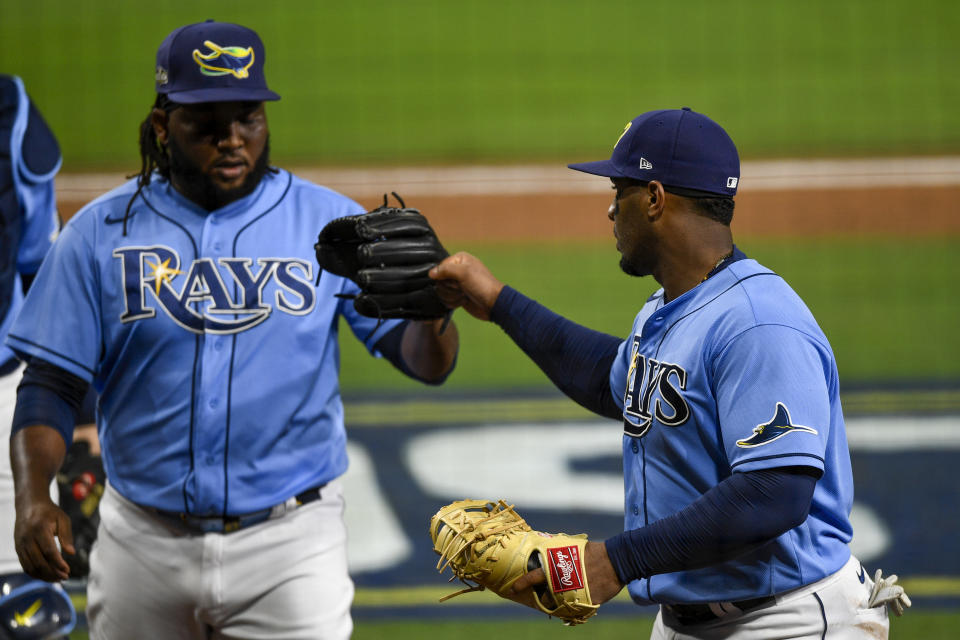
<point>218,152</point>
<point>205,190</point>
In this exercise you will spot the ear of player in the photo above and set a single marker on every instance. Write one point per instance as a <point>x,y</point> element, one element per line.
<point>388,253</point>
<point>488,545</point>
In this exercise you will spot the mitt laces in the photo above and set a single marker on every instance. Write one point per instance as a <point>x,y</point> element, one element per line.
<point>500,522</point>
<point>351,296</point>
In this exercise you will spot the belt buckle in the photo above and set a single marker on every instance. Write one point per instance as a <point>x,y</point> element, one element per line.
<point>235,523</point>
<point>229,524</point>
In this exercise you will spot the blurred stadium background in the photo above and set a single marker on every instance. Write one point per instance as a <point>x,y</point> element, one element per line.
<point>847,117</point>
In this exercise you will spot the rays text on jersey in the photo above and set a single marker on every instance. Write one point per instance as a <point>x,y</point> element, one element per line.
<point>223,295</point>
<point>651,386</point>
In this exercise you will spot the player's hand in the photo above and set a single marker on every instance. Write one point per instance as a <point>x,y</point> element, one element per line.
<point>601,578</point>
<point>36,531</point>
<point>464,281</point>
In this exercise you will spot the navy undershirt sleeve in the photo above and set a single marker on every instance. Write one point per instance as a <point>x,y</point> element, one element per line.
<point>49,395</point>
<point>742,512</point>
<point>575,358</point>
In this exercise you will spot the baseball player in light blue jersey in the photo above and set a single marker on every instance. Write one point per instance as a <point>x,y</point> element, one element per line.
<point>188,298</point>
<point>737,477</point>
<point>29,160</point>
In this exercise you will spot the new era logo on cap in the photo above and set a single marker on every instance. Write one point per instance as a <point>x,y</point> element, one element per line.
<point>679,147</point>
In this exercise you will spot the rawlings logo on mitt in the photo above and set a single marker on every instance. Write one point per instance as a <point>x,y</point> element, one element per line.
<point>387,252</point>
<point>490,545</point>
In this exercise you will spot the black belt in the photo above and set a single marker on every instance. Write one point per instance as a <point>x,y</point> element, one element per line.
<point>698,613</point>
<point>229,524</point>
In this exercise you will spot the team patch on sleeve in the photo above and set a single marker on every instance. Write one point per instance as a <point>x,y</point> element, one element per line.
<point>779,426</point>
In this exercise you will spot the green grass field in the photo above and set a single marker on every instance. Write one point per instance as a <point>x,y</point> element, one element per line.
<point>377,81</point>
<point>915,625</point>
<point>887,305</point>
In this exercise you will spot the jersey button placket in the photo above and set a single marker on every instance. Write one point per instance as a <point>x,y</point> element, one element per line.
<point>214,380</point>
<point>653,326</point>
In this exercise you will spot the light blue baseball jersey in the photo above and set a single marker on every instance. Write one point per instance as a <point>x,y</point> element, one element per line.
<point>215,354</point>
<point>734,375</point>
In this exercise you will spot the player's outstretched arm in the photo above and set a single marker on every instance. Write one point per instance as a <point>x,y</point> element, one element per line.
<point>575,358</point>
<point>601,578</point>
<point>36,454</point>
<point>466,282</point>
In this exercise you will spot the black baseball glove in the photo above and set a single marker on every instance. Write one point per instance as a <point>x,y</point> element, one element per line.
<point>387,252</point>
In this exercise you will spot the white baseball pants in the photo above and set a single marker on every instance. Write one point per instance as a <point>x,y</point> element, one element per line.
<point>834,608</point>
<point>283,578</point>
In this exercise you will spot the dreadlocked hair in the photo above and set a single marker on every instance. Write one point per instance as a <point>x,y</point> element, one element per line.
<point>153,156</point>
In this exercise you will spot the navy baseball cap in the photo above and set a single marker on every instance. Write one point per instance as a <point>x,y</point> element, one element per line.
<point>679,147</point>
<point>212,62</point>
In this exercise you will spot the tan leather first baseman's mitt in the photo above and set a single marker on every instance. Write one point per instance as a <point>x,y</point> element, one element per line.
<point>489,546</point>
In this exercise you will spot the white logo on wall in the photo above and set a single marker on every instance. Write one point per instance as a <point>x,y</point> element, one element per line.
<point>645,164</point>
<point>732,182</point>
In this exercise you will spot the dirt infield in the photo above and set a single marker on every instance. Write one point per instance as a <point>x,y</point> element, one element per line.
<point>521,218</point>
<point>520,204</point>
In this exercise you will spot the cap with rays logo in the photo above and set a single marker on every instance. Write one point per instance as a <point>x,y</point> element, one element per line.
<point>212,62</point>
